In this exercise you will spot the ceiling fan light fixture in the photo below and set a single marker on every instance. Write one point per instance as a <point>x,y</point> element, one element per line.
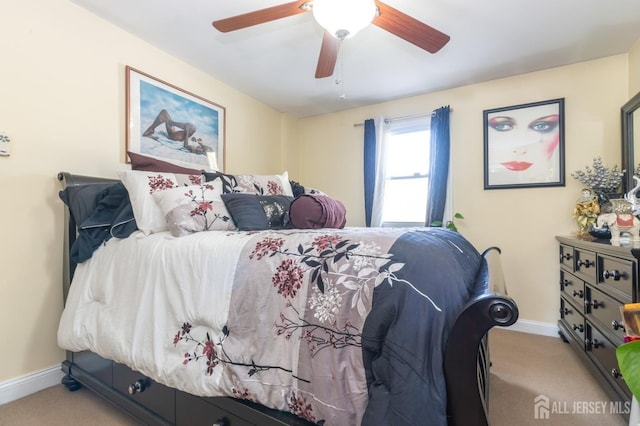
<point>344,18</point>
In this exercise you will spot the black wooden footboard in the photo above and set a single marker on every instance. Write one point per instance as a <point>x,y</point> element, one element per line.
<point>466,363</point>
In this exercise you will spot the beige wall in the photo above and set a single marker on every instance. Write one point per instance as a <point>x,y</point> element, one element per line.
<point>62,97</point>
<point>634,69</point>
<point>522,222</point>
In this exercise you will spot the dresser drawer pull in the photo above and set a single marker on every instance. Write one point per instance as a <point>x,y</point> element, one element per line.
<point>594,343</point>
<point>586,263</point>
<point>578,327</point>
<point>565,311</point>
<point>594,304</point>
<point>137,387</point>
<point>616,374</point>
<point>578,293</point>
<point>615,274</point>
<point>616,325</point>
<point>566,256</point>
<point>564,283</point>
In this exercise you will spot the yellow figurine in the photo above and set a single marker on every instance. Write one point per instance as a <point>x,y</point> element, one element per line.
<point>586,211</point>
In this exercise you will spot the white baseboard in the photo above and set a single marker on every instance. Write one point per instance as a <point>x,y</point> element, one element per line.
<point>534,327</point>
<point>20,387</point>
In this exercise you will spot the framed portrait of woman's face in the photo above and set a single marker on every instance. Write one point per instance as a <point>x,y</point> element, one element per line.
<point>524,145</point>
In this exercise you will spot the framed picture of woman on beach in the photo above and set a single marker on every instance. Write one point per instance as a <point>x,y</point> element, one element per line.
<point>173,125</point>
<point>524,145</point>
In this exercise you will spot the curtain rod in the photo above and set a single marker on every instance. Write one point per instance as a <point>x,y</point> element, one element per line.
<point>404,117</point>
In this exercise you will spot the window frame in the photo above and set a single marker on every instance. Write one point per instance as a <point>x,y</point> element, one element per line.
<point>399,127</point>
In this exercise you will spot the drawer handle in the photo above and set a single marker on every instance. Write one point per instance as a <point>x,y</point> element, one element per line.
<point>616,325</point>
<point>137,387</point>
<point>578,327</point>
<point>564,283</point>
<point>615,274</point>
<point>564,311</point>
<point>566,256</point>
<point>586,263</point>
<point>578,293</point>
<point>616,374</point>
<point>594,343</point>
<point>594,304</point>
<point>221,422</point>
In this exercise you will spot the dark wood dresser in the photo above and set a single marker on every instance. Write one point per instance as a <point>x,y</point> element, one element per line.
<point>596,278</point>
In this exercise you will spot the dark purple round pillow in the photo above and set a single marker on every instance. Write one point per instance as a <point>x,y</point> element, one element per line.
<point>317,211</point>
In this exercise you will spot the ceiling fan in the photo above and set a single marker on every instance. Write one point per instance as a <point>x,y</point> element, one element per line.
<point>352,16</point>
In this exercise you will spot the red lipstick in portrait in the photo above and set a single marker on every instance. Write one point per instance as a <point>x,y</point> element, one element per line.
<point>517,166</point>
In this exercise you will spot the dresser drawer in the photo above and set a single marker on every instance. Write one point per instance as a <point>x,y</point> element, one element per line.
<point>617,275</point>
<point>572,319</point>
<point>566,256</point>
<point>572,288</point>
<point>604,310</point>
<point>152,395</point>
<point>585,265</point>
<point>603,351</point>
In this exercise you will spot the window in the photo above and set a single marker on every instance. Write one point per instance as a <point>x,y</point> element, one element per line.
<point>407,172</point>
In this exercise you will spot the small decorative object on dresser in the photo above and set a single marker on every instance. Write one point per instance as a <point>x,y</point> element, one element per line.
<point>596,279</point>
<point>632,198</point>
<point>586,211</point>
<point>602,180</point>
<point>619,223</point>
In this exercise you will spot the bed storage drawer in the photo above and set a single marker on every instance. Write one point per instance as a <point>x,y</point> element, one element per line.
<point>95,365</point>
<point>194,411</point>
<point>151,395</point>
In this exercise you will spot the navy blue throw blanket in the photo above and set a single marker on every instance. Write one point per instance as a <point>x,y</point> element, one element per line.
<point>102,212</point>
<point>404,368</point>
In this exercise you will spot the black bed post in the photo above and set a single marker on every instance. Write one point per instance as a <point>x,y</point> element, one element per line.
<point>467,360</point>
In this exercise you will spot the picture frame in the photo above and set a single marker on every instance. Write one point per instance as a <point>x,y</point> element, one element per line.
<point>159,115</point>
<point>524,145</point>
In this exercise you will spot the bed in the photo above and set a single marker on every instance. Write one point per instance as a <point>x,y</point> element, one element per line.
<point>276,326</point>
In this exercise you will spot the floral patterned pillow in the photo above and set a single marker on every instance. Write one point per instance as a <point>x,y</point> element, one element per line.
<point>194,208</point>
<point>142,185</point>
<point>253,184</point>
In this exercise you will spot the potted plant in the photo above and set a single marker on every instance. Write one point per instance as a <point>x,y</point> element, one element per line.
<point>450,224</point>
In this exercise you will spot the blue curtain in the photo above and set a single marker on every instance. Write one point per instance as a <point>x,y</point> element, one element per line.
<point>439,167</point>
<point>369,167</point>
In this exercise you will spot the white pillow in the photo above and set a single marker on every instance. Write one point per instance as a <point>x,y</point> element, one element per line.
<point>141,185</point>
<point>194,208</point>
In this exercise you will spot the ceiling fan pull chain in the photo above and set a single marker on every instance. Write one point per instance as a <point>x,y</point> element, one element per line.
<point>340,79</point>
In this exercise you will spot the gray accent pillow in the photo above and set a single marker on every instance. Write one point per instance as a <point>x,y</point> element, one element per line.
<point>252,212</point>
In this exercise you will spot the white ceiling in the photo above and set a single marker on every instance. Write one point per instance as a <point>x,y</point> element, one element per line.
<point>275,62</point>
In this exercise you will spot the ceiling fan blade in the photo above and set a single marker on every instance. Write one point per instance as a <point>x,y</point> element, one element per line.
<point>328,56</point>
<point>409,29</point>
<point>261,16</point>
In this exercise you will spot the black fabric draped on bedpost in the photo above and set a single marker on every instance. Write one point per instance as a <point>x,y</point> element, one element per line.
<point>439,165</point>
<point>369,167</point>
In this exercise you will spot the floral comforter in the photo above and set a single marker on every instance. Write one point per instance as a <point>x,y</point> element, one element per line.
<point>340,327</point>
